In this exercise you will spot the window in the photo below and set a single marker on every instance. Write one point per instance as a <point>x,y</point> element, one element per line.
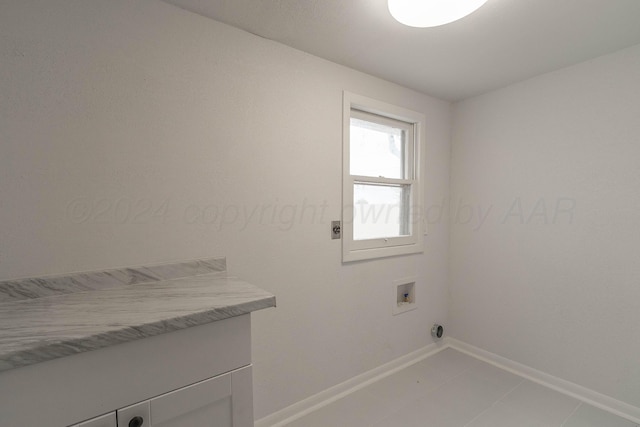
<point>382,188</point>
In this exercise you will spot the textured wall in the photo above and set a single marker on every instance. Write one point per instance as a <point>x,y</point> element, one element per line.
<point>133,132</point>
<point>544,247</point>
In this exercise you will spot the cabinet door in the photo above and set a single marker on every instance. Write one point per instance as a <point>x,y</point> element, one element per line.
<point>137,415</point>
<point>222,401</point>
<point>204,404</point>
<point>108,420</point>
<point>242,385</point>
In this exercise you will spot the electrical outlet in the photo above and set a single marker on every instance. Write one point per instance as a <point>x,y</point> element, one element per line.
<point>336,230</point>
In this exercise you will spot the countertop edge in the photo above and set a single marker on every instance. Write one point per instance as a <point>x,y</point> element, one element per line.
<point>55,350</point>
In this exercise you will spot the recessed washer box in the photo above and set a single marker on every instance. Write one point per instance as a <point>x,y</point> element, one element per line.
<point>404,295</point>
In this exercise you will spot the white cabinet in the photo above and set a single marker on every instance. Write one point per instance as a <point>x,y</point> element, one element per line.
<point>199,376</point>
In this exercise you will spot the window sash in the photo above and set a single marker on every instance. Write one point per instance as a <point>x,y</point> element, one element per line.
<point>405,208</point>
<point>408,143</point>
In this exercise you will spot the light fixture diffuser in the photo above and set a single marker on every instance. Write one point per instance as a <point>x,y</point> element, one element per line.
<point>431,13</point>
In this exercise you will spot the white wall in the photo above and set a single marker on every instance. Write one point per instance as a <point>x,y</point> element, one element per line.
<point>557,290</point>
<point>108,103</point>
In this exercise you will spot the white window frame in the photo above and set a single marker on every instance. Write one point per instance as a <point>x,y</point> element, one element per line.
<point>357,250</point>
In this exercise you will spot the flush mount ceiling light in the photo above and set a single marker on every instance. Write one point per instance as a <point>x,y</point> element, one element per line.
<point>431,13</point>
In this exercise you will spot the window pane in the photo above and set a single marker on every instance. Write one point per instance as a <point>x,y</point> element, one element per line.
<point>376,149</point>
<point>380,211</point>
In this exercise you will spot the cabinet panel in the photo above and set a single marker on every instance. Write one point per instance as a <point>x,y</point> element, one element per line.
<point>242,391</point>
<point>108,420</point>
<point>215,414</point>
<point>207,403</point>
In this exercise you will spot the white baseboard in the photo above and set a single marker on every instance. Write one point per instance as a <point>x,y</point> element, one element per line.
<point>593,398</point>
<point>325,397</point>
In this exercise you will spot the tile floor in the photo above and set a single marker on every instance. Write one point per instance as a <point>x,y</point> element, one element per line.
<point>451,389</point>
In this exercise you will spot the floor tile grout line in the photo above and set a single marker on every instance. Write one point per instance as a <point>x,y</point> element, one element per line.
<point>459,374</point>
<point>572,413</point>
<point>496,402</point>
<point>364,385</point>
<point>587,396</point>
<point>522,381</point>
<point>438,387</point>
<point>465,369</point>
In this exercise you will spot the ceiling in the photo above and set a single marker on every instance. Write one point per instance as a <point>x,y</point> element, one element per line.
<point>505,41</point>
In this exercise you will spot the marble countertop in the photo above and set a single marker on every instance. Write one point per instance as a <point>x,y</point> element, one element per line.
<point>40,321</point>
